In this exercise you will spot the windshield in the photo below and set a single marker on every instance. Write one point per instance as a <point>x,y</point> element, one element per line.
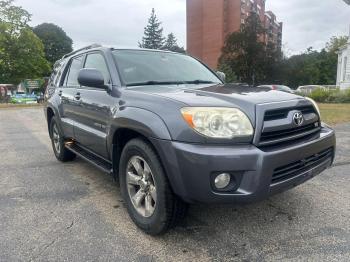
<point>139,67</point>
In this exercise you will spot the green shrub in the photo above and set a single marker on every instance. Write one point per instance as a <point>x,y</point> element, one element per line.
<point>320,95</point>
<point>330,96</point>
<point>340,96</point>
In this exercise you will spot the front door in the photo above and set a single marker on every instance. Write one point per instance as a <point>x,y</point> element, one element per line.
<point>95,109</point>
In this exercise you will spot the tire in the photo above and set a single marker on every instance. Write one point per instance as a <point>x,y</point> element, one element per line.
<point>57,141</point>
<point>166,209</point>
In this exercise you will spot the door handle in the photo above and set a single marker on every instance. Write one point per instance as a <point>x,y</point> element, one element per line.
<point>77,96</point>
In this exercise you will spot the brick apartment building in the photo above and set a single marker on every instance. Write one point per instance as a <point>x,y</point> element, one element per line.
<point>210,21</point>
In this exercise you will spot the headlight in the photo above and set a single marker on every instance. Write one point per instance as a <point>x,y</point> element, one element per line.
<point>218,122</point>
<point>315,105</point>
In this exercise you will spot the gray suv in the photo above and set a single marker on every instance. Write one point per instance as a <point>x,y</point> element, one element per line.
<point>172,132</point>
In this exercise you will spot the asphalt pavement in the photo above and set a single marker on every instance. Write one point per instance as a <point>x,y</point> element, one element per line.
<point>51,211</point>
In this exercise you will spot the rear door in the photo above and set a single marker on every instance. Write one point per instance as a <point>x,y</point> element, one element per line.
<point>68,91</point>
<point>95,109</point>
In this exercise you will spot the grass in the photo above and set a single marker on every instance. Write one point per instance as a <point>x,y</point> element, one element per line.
<point>8,106</point>
<point>335,113</point>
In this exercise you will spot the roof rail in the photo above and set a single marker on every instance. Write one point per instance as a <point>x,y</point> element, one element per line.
<point>82,49</point>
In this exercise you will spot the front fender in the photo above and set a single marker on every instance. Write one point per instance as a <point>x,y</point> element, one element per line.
<point>140,120</point>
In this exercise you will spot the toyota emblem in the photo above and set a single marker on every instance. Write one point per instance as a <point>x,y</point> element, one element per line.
<point>298,118</point>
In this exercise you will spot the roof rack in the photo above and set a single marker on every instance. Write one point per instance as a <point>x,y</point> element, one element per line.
<point>82,49</point>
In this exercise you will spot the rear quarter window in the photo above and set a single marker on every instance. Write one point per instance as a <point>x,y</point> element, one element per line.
<point>54,75</point>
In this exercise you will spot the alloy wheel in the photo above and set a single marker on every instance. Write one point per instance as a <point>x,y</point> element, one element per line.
<point>141,186</point>
<point>56,139</point>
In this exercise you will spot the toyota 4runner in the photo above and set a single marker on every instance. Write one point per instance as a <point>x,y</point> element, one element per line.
<point>172,132</point>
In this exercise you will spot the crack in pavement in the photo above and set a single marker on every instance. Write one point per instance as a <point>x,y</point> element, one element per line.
<point>70,226</point>
<point>46,246</point>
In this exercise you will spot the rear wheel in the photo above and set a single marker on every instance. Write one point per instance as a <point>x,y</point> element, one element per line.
<point>145,188</point>
<point>57,141</point>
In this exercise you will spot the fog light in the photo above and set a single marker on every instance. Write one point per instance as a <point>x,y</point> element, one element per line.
<point>222,180</point>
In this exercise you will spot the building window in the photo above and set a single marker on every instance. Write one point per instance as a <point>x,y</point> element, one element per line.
<point>345,64</point>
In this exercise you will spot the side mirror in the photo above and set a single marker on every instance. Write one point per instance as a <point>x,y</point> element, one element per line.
<point>91,78</point>
<point>221,75</point>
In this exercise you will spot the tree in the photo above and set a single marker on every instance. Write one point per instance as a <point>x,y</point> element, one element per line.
<point>153,34</point>
<point>22,52</point>
<point>335,43</point>
<point>230,75</point>
<point>245,53</point>
<point>301,69</point>
<point>329,59</point>
<point>55,40</point>
<point>270,66</point>
<point>172,45</point>
<point>313,67</point>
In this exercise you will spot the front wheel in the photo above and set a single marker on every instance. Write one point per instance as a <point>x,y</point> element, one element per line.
<point>145,188</point>
<point>57,141</point>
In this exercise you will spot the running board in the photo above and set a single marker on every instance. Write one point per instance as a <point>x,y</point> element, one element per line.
<point>99,162</point>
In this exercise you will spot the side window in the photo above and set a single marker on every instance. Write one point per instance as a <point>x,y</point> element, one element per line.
<point>58,81</point>
<point>54,74</point>
<point>96,61</point>
<point>72,74</point>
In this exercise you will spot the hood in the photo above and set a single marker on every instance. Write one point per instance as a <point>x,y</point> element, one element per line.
<point>199,94</point>
<point>225,95</point>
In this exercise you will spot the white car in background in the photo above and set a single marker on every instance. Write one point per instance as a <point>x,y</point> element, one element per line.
<point>330,87</point>
<point>278,88</point>
<point>308,89</point>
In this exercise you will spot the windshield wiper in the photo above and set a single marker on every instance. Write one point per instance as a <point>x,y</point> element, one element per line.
<point>198,81</point>
<point>151,83</point>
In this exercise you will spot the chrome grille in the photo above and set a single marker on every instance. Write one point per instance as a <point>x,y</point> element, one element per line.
<point>278,127</point>
<point>282,113</point>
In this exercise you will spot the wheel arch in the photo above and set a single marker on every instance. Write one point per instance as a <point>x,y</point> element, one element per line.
<point>120,138</point>
<point>50,113</point>
<point>135,123</point>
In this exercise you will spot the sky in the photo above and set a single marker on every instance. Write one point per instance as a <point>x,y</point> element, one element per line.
<point>121,22</point>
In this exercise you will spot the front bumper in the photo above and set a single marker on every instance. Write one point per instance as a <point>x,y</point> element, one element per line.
<point>190,167</point>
